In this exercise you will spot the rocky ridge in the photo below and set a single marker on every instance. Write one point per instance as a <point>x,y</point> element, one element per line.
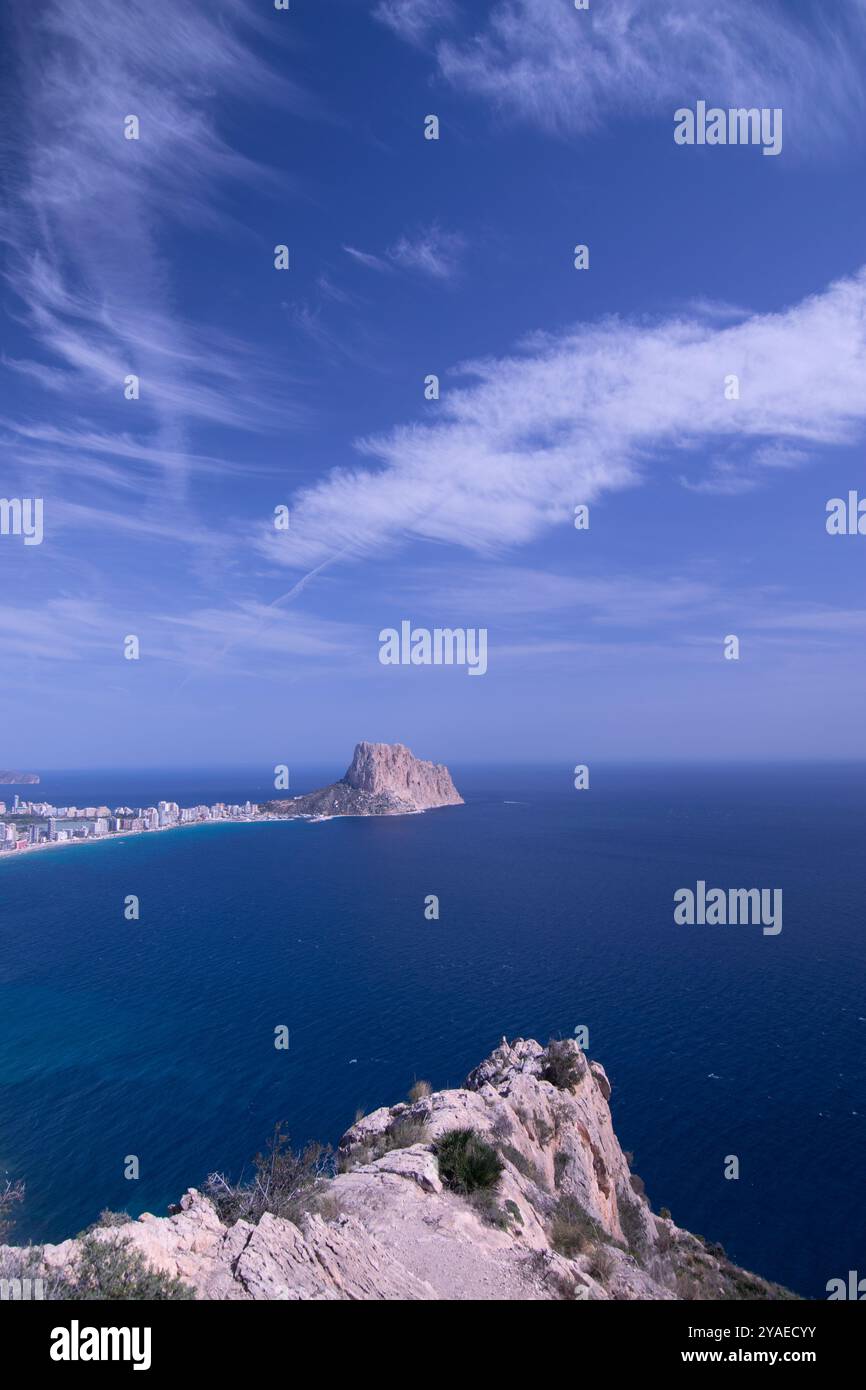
<point>565,1219</point>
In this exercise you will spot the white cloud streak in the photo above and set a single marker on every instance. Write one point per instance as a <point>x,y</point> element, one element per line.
<point>413,20</point>
<point>431,251</point>
<point>571,71</point>
<point>584,412</point>
<point>86,208</point>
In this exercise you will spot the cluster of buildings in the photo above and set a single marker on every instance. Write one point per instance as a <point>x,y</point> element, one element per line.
<point>29,823</point>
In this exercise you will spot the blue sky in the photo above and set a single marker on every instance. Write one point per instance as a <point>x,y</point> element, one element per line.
<point>305,387</point>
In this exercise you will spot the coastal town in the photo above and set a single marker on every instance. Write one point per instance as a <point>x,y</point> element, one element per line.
<point>383,779</point>
<point>27,825</point>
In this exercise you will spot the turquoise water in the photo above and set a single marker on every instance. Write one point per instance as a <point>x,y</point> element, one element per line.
<point>155,1038</point>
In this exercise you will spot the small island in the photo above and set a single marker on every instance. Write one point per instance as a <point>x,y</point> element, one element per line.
<point>15,779</point>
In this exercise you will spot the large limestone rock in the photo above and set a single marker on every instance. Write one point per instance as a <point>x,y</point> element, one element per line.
<point>390,767</point>
<point>383,779</point>
<point>566,1219</point>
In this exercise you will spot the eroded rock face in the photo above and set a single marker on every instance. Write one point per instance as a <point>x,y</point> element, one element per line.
<point>383,779</point>
<point>566,1218</point>
<point>390,767</point>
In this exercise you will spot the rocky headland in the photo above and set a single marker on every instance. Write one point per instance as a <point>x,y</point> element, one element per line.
<point>513,1186</point>
<point>14,779</point>
<point>383,779</point>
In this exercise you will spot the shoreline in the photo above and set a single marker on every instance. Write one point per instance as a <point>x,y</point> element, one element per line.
<point>18,854</point>
<point>134,835</point>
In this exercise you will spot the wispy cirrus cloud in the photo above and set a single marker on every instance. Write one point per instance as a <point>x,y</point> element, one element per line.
<point>518,592</point>
<point>120,446</point>
<point>90,632</point>
<point>730,477</point>
<point>431,251</point>
<point>58,629</point>
<point>576,414</point>
<point>611,614</point>
<point>413,20</point>
<point>86,208</point>
<point>368,260</point>
<point>571,71</point>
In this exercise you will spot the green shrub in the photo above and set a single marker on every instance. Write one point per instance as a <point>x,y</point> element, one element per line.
<point>572,1229</point>
<point>403,1133</point>
<point>664,1240</point>
<point>602,1264</point>
<point>11,1193</point>
<point>631,1220</point>
<point>106,1220</point>
<point>408,1130</point>
<point>485,1203</point>
<point>467,1163</point>
<point>112,1218</point>
<point>284,1183</point>
<point>355,1157</point>
<point>114,1270</point>
<point>563,1066</point>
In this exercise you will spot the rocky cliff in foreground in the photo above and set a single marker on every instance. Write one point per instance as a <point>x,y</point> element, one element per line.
<point>537,1203</point>
<point>383,779</point>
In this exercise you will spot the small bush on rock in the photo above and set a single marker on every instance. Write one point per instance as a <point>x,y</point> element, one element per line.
<point>633,1228</point>
<point>107,1217</point>
<point>115,1271</point>
<point>563,1066</point>
<point>573,1230</point>
<point>489,1210</point>
<point>467,1163</point>
<point>284,1183</point>
<point>602,1265</point>
<point>405,1132</point>
<point>11,1193</point>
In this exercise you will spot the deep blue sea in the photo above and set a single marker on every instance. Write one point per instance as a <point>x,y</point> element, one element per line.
<point>155,1037</point>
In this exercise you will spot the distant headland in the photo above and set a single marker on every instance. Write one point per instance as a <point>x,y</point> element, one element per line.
<point>15,779</point>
